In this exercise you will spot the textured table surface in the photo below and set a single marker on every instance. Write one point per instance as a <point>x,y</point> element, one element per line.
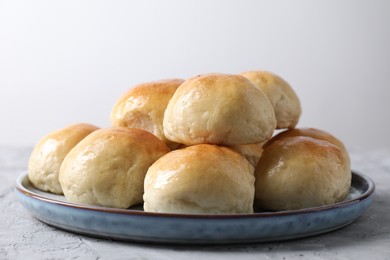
<point>24,237</point>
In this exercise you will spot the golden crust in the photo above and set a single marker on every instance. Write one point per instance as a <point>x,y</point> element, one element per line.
<point>308,132</point>
<point>313,133</point>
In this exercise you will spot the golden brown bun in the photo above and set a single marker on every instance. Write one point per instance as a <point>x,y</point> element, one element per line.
<point>283,98</point>
<point>301,172</point>
<point>219,109</point>
<point>313,133</point>
<point>251,152</point>
<point>143,107</point>
<point>200,179</point>
<point>47,156</point>
<point>108,167</point>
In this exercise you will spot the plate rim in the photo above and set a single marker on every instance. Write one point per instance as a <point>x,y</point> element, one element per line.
<point>368,193</point>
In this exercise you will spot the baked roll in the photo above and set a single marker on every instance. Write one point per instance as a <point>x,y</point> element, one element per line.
<point>219,109</point>
<point>143,107</point>
<point>46,158</point>
<point>200,179</point>
<point>108,167</point>
<point>301,172</point>
<point>285,102</point>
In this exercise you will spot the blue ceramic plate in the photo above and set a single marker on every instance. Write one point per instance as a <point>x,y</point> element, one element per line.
<point>137,225</point>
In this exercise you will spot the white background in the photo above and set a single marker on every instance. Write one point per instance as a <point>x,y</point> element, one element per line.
<point>63,62</point>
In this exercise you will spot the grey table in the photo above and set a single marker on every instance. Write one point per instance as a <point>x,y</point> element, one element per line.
<point>24,237</point>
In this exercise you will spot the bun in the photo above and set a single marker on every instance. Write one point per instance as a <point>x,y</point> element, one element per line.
<point>219,109</point>
<point>301,172</point>
<point>200,179</point>
<point>108,167</point>
<point>143,107</point>
<point>47,156</point>
<point>285,102</point>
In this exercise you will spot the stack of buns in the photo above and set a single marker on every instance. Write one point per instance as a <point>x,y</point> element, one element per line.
<point>205,145</point>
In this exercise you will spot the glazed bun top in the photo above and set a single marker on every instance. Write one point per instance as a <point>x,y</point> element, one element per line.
<point>219,109</point>
<point>310,132</point>
<point>143,107</point>
<point>283,98</point>
<point>47,156</point>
